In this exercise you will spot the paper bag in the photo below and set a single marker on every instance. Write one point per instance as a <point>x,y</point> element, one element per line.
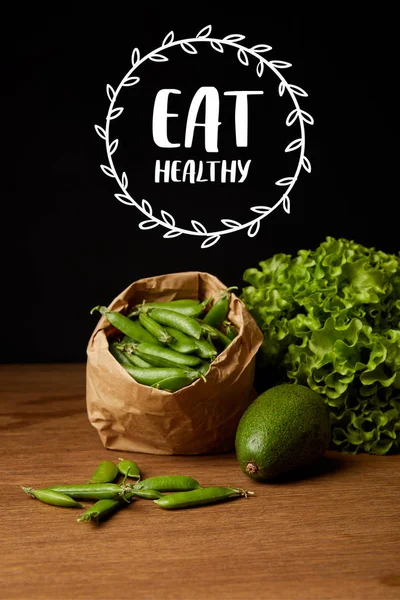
<point>197,419</point>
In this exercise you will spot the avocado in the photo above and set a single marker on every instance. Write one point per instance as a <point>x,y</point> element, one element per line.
<point>285,428</point>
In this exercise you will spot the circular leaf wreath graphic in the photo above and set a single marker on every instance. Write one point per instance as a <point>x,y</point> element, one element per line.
<point>244,54</point>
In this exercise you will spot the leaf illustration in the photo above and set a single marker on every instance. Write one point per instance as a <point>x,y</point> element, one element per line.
<point>307,118</point>
<point>298,91</point>
<point>115,112</point>
<point>280,64</point>
<point>292,116</point>
<point>124,199</point>
<point>135,56</point>
<point>217,46</point>
<point>188,48</point>
<point>230,223</point>
<point>243,58</point>
<point>173,233</point>
<point>205,32</point>
<point>199,227</point>
<point>147,207</point>
<point>306,164</point>
<point>110,92</point>
<point>260,68</point>
<point>150,224</point>
<point>100,132</point>
<point>262,48</point>
<point>293,145</point>
<point>158,58</point>
<point>113,146</point>
<point>107,170</point>
<point>167,218</point>
<point>235,37</point>
<point>261,210</point>
<point>284,181</point>
<point>281,88</point>
<point>168,39</point>
<point>286,204</point>
<point>131,81</point>
<point>254,229</point>
<point>210,241</point>
<point>124,180</point>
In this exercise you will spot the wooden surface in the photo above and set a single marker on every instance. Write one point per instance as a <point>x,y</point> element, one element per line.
<point>333,533</point>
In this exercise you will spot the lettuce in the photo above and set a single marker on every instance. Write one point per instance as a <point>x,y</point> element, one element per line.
<point>331,321</point>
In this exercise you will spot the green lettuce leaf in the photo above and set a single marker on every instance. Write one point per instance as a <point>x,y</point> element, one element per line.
<point>331,321</point>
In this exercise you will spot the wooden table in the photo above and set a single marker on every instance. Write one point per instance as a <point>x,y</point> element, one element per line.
<point>333,534</point>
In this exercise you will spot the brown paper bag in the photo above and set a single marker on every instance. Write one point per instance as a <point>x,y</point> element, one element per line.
<point>200,418</point>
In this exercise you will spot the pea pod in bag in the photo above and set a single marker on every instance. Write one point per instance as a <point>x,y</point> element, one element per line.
<point>198,418</point>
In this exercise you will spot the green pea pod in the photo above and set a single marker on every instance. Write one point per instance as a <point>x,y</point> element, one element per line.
<point>215,334</point>
<point>146,494</point>
<point>124,358</point>
<point>142,335</point>
<point>165,357</point>
<point>173,384</point>
<point>205,349</point>
<point>136,361</point>
<point>128,468</point>
<point>101,510</point>
<point>106,472</point>
<point>218,313</point>
<point>120,356</point>
<point>181,342</point>
<point>159,332</point>
<point>190,308</point>
<point>203,368</point>
<point>181,302</point>
<point>133,329</point>
<point>230,330</point>
<point>90,491</point>
<point>167,483</point>
<point>208,495</point>
<point>52,497</point>
<point>183,323</point>
<point>207,331</point>
<point>153,375</point>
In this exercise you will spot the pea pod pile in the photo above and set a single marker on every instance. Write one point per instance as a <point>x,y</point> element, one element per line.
<point>111,496</point>
<point>169,345</point>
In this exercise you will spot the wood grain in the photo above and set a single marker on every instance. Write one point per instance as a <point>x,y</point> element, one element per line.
<point>331,533</point>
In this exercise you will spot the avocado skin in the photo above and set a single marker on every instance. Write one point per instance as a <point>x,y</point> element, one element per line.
<point>285,428</point>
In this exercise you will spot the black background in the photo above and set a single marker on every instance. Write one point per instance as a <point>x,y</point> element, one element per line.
<point>68,244</point>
